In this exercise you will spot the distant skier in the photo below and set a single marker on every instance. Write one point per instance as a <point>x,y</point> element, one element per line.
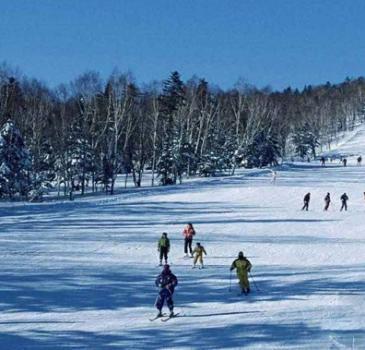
<point>327,201</point>
<point>163,246</point>
<point>188,233</point>
<point>359,160</point>
<point>198,252</point>
<point>323,161</point>
<point>344,162</point>
<point>344,199</point>
<point>273,176</point>
<point>243,267</point>
<point>306,201</point>
<point>167,282</point>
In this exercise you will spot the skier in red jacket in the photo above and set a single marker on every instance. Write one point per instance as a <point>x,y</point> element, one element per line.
<point>188,234</point>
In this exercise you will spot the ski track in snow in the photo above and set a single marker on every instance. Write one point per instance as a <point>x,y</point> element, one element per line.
<point>80,275</point>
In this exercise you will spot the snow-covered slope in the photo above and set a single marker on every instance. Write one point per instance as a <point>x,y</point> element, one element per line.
<point>352,144</point>
<point>80,275</point>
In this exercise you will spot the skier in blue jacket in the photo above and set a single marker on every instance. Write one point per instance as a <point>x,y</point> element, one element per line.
<point>167,282</point>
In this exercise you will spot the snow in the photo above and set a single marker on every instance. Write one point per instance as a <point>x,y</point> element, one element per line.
<point>80,275</point>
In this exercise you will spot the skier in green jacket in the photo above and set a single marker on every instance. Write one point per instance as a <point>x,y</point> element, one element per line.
<point>163,247</point>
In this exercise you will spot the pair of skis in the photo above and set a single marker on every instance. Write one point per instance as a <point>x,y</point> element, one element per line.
<point>164,317</point>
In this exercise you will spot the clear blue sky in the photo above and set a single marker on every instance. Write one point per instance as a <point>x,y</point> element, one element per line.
<point>266,42</point>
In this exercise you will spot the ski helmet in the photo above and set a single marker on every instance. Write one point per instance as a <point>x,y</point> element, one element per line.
<point>240,255</point>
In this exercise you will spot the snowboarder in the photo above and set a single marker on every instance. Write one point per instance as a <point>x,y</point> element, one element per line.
<point>199,251</point>
<point>188,233</point>
<point>243,267</point>
<point>163,246</point>
<point>359,160</point>
<point>344,199</point>
<point>167,282</point>
<point>344,162</point>
<point>327,201</point>
<point>306,201</point>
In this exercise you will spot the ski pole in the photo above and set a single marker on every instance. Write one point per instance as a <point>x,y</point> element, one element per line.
<point>254,283</point>
<point>230,280</point>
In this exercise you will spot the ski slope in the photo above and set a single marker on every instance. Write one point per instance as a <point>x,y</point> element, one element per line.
<point>80,275</point>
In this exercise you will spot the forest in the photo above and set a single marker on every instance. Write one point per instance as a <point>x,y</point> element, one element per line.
<point>78,137</point>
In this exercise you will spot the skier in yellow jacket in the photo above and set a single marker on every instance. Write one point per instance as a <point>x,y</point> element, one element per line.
<point>198,252</point>
<point>243,267</point>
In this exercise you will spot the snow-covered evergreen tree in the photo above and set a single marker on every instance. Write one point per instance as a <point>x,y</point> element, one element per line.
<point>44,172</point>
<point>170,164</point>
<point>15,163</point>
<point>263,151</point>
<point>80,159</point>
<point>305,141</point>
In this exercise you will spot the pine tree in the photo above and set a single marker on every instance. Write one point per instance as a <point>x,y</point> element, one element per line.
<point>44,172</point>
<point>170,164</point>
<point>264,150</point>
<point>15,163</point>
<point>305,141</point>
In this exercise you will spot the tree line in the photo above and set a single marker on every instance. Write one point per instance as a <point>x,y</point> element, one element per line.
<point>80,136</point>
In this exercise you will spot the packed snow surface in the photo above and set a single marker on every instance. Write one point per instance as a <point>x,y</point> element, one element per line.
<point>80,275</point>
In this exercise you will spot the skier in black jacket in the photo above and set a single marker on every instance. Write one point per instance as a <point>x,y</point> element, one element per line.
<point>327,201</point>
<point>306,200</point>
<point>344,198</point>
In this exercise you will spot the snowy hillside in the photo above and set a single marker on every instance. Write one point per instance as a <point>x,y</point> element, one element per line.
<point>80,275</point>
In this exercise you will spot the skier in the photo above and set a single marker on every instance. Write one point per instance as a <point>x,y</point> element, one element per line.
<point>306,200</point>
<point>327,201</point>
<point>344,161</point>
<point>199,251</point>
<point>163,246</point>
<point>188,233</point>
<point>344,199</point>
<point>243,267</point>
<point>359,160</point>
<point>323,161</point>
<point>273,176</point>
<point>167,282</point>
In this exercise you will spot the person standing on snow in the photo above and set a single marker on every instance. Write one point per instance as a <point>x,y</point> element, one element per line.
<point>344,162</point>
<point>359,160</point>
<point>188,234</point>
<point>273,176</point>
<point>167,282</point>
<point>344,198</point>
<point>327,201</point>
<point>163,246</point>
<point>199,251</point>
<point>306,201</point>
<point>243,267</point>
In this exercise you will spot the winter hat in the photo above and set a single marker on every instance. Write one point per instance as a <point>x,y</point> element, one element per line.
<point>166,268</point>
<point>198,243</point>
<point>164,234</point>
<point>240,254</point>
